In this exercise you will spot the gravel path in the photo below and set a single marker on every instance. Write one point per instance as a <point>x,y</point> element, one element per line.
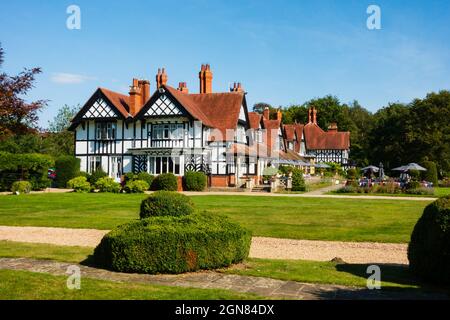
<point>268,248</point>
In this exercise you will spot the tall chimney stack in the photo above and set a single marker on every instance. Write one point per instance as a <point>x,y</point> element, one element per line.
<point>314,115</point>
<point>205,75</point>
<point>237,87</point>
<point>266,113</point>
<point>333,127</point>
<point>279,114</point>
<point>161,78</point>
<point>144,88</point>
<point>135,101</point>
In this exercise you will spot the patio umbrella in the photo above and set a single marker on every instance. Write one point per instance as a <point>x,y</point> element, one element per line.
<point>410,166</point>
<point>370,168</point>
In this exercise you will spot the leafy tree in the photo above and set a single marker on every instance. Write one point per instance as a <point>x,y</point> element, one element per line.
<point>61,121</point>
<point>16,115</point>
<point>260,106</point>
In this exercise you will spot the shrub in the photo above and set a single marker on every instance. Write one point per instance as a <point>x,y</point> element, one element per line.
<point>352,174</point>
<point>130,176</point>
<point>67,167</point>
<point>171,244</point>
<point>107,184</point>
<point>420,191</point>
<point>445,183</point>
<point>165,181</point>
<point>298,183</point>
<point>389,187</point>
<point>136,186</point>
<point>21,187</point>
<point>166,203</point>
<point>79,184</point>
<point>144,176</point>
<point>347,189</point>
<point>413,185</point>
<point>429,248</point>
<point>285,170</point>
<point>415,175</point>
<point>96,175</point>
<point>28,167</point>
<point>431,175</point>
<point>195,181</point>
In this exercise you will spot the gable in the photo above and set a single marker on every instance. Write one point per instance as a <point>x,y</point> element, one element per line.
<point>242,114</point>
<point>100,109</point>
<point>163,106</point>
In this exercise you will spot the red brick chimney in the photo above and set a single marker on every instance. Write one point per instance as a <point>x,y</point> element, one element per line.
<point>161,78</point>
<point>312,115</point>
<point>205,75</point>
<point>279,114</point>
<point>237,87</point>
<point>135,101</point>
<point>144,87</point>
<point>266,113</point>
<point>333,127</point>
<point>182,86</point>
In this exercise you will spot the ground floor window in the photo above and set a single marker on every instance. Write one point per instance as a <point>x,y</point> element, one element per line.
<point>95,163</point>
<point>160,165</point>
<point>116,167</point>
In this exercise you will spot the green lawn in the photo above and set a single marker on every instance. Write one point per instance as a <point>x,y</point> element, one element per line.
<point>284,217</point>
<point>25,285</point>
<point>440,192</point>
<point>393,276</point>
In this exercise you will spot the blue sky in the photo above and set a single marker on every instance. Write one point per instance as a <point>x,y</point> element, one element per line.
<point>283,52</point>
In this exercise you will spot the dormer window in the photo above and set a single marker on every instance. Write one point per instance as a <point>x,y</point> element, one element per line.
<point>105,130</point>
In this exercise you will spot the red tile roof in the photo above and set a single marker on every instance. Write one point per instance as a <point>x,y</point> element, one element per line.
<point>217,110</point>
<point>120,101</point>
<point>254,119</point>
<point>289,131</point>
<point>317,139</point>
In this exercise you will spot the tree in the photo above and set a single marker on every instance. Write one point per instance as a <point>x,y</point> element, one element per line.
<point>260,106</point>
<point>61,121</point>
<point>16,115</point>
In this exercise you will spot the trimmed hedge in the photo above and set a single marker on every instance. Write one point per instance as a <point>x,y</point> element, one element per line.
<point>147,177</point>
<point>96,175</point>
<point>136,186</point>
<point>30,167</point>
<point>195,181</point>
<point>166,203</point>
<point>298,183</point>
<point>171,244</point>
<point>165,181</point>
<point>431,175</point>
<point>429,248</point>
<point>21,187</point>
<point>67,168</point>
<point>107,184</point>
<point>79,184</point>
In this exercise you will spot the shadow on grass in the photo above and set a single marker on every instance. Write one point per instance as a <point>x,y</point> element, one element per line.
<point>415,288</point>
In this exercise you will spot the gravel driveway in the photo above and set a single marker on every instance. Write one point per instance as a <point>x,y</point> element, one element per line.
<point>268,248</point>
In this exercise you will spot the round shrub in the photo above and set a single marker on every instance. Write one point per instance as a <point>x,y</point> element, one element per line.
<point>431,175</point>
<point>195,181</point>
<point>130,176</point>
<point>429,248</point>
<point>145,176</point>
<point>173,244</point>
<point>136,186</point>
<point>67,167</point>
<point>166,203</point>
<point>165,181</point>
<point>79,184</point>
<point>96,175</point>
<point>21,187</point>
<point>298,183</point>
<point>107,184</point>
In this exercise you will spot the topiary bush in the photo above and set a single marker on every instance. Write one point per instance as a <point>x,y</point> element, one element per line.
<point>21,187</point>
<point>166,203</point>
<point>79,184</point>
<point>429,248</point>
<point>136,186</point>
<point>107,184</point>
<point>420,191</point>
<point>96,175</point>
<point>298,183</point>
<point>195,181</point>
<point>171,244</point>
<point>145,176</point>
<point>165,181</point>
<point>67,167</point>
<point>431,175</point>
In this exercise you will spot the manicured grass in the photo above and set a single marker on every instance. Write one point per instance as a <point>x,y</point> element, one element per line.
<point>440,192</point>
<point>283,217</point>
<point>12,249</point>
<point>324,272</point>
<point>25,285</point>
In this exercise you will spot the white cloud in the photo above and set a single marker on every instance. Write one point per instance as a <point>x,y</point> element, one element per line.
<point>69,78</point>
